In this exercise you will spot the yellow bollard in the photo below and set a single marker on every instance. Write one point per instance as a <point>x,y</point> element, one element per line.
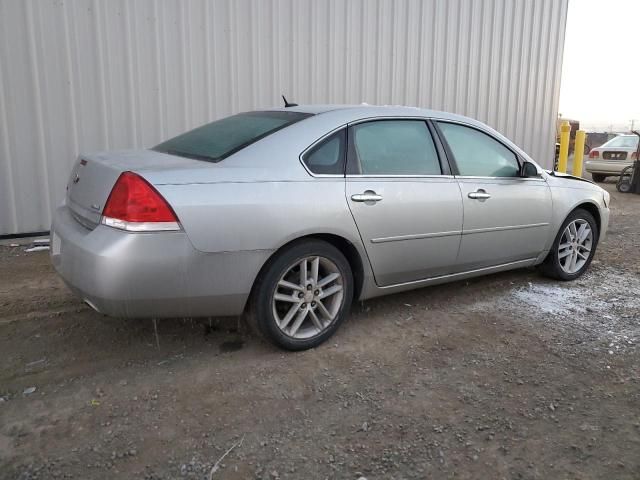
<point>578,153</point>
<point>565,130</point>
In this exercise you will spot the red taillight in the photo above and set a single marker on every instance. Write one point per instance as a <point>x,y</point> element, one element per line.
<point>594,154</point>
<point>135,205</point>
<point>634,156</point>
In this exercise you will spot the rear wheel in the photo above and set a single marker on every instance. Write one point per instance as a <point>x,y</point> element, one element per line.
<point>573,248</point>
<point>302,296</point>
<point>598,177</point>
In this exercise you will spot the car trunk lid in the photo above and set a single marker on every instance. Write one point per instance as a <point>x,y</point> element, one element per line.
<point>94,175</point>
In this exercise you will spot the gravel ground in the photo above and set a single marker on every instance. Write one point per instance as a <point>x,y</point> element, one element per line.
<point>508,376</point>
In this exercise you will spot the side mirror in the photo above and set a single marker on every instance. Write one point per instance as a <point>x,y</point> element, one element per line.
<point>529,170</point>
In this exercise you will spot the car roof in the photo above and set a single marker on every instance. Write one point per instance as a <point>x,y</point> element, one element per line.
<point>365,111</point>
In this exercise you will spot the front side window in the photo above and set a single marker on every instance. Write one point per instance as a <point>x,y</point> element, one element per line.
<point>395,147</point>
<point>327,157</point>
<point>477,154</point>
<point>217,140</point>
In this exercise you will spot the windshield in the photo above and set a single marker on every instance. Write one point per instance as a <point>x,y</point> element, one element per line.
<point>623,141</point>
<point>217,140</point>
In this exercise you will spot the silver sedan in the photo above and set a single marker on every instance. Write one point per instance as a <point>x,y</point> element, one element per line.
<point>288,215</point>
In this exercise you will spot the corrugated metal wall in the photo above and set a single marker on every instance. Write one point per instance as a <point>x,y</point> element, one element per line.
<point>83,75</point>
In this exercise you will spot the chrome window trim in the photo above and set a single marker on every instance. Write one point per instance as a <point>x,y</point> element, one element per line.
<point>323,175</point>
<point>356,175</point>
<point>520,179</point>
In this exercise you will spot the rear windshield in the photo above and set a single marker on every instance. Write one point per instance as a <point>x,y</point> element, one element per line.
<point>623,141</point>
<point>217,140</point>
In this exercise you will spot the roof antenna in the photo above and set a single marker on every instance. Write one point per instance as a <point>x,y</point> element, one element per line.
<point>287,104</point>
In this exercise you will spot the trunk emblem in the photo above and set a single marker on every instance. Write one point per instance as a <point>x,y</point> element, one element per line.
<point>76,179</point>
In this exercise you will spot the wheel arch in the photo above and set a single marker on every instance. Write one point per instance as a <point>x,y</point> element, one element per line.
<point>346,247</point>
<point>352,255</point>
<point>593,209</point>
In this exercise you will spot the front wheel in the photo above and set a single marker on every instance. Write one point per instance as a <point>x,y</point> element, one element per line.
<point>598,177</point>
<point>573,248</point>
<point>303,295</point>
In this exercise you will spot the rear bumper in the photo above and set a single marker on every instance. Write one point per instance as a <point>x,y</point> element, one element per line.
<point>150,275</point>
<point>608,167</point>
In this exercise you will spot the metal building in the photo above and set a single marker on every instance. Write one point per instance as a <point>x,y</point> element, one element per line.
<point>86,75</point>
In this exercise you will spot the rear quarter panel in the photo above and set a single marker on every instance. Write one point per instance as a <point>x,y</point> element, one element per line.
<point>234,216</point>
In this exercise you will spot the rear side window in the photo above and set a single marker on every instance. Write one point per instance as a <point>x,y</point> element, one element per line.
<point>477,154</point>
<point>217,140</point>
<point>327,157</point>
<point>395,147</point>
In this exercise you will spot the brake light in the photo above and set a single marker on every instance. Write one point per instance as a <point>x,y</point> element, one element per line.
<point>594,154</point>
<point>634,156</point>
<point>136,206</point>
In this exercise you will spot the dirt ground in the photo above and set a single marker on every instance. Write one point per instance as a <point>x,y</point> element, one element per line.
<point>509,376</point>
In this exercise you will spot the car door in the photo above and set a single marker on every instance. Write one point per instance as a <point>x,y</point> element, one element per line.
<point>406,204</point>
<point>506,217</point>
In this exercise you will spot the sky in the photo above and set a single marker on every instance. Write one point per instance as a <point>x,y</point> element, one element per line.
<point>600,83</point>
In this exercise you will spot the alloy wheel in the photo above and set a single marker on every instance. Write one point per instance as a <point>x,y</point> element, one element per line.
<point>308,297</point>
<point>575,246</point>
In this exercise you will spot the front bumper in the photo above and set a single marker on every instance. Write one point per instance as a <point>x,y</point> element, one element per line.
<point>150,275</point>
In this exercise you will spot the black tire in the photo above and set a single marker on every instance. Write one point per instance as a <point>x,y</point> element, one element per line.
<point>551,266</point>
<point>260,316</point>
<point>598,177</point>
<point>623,185</point>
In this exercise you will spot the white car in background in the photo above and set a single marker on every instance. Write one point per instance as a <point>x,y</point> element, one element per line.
<point>611,158</point>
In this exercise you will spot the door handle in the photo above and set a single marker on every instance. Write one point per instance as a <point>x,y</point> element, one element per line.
<point>479,195</point>
<point>368,196</point>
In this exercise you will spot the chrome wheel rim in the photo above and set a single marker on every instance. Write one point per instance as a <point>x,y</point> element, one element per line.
<point>575,246</point>
<point>308,297</point>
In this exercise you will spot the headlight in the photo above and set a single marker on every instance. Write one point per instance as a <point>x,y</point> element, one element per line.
<point>606,198</point>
